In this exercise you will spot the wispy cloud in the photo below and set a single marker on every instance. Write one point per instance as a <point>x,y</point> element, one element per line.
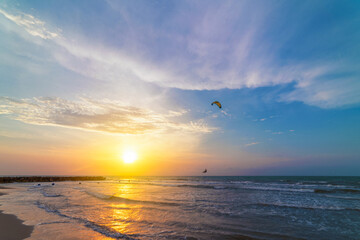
<point>229,47</point>
<point>102,116</point>
<point>337,91</point>
<point>263,119</point>
<point>225,113</point>
<point>30,24</point>
<point>103,63</point>
<point>251,144</point>
<point>277,133</point>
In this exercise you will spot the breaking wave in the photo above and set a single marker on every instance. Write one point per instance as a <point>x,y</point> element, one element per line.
<point>306,207</point>
<point>127,200</point>
<point>89,224</point>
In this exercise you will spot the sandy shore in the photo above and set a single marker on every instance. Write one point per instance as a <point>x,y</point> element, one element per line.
<point>11,228</point>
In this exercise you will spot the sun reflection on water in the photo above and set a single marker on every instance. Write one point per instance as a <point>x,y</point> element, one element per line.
<point>123,218</point>
<point>125,215</point>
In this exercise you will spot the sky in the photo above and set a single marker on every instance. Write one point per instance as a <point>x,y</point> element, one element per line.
<point>83,82</point>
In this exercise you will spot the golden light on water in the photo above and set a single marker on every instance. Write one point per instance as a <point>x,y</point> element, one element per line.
<point>129,156</point>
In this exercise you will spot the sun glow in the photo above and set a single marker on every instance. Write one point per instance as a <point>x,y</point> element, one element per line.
<point>129,156</point>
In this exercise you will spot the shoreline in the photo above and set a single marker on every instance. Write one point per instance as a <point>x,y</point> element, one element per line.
<point>12,228</point>
<point>49,179</point>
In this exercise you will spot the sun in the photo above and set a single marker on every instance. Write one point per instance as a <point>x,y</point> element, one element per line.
<point>129,156</point>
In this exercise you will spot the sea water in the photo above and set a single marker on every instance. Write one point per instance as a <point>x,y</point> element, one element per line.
<point>190,208</point>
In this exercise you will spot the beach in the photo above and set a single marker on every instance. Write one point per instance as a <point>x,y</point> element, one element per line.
<point>12,228</point>
<point>186,208</point>
<point>179,120</point>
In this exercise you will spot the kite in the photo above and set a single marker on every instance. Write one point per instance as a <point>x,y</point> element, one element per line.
<point>217,103</point>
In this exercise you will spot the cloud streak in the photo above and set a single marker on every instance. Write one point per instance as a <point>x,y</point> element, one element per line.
<point>233,46</point>
<point>105,116</point>
<point>251,144</point>
<point>30,24</point>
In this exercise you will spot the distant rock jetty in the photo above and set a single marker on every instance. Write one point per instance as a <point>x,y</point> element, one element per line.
<point>49,179</point>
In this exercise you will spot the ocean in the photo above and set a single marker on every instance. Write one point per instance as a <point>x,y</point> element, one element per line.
<point>190,208</point>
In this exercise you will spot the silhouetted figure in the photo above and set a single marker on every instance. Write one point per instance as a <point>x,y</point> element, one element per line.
<point>39,184</point>
<point>53,184</point>
<point>205,171</point>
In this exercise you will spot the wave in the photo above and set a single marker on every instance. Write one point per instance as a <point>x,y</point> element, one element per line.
<point>207,186</point>
<point>50,209</point>
<point>279,189</point>
<point>46,223</point>
<point>337,190</point>
<point>312,183</point>
<point>272,188</point>
<point>342,197</point>
<point>249,185</point>
<point>196,186</point>
<point>45,194</point>
<point>306,207</point>
<point>127,200</point>
<point>43,190</point>
<point>89,224</point>
<point>232,186</point>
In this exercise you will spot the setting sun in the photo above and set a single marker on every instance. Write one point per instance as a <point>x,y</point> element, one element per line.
<point>129,156</point>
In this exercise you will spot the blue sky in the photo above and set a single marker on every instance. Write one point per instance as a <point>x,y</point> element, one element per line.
<point>286,72</point>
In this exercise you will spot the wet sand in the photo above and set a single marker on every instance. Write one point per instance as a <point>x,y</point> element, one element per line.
<point>12,228</point>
